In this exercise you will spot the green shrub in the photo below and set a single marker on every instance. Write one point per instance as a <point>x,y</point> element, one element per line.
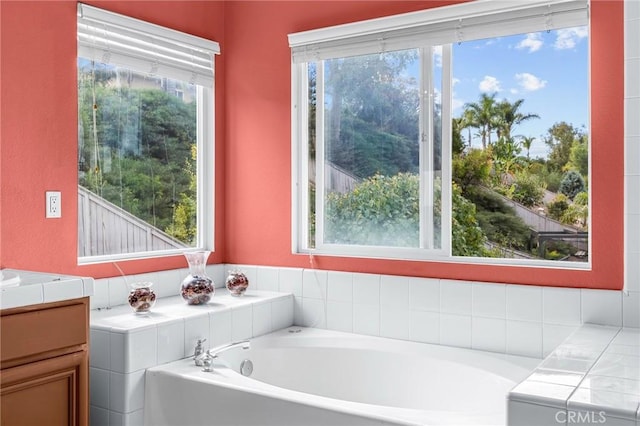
<point>572,183</point>
<point>558,207</point>
<point>528,189</point>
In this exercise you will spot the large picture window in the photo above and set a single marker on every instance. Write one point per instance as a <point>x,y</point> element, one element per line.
<point>453,133</point>
<point>145,138</point>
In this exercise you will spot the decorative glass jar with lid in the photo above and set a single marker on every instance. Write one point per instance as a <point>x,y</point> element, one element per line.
<point>141,297</point>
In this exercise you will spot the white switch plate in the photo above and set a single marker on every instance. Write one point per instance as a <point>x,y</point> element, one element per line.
<point>54,204</point>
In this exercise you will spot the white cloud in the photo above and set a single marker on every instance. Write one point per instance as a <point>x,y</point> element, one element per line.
<point>514,91</point>
<point>532,42</point>
<point>567,38</point>
<point>529,82</point>
<point>455,81</point>
<point>489,84</point>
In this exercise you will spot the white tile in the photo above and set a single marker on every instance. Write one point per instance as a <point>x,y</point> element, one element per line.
<point>366,289</point>
<point>98,416</point>
<point>281,313</point>
<point>171,341</point>
<point>394,291</point>
<point>632,155</point>
<point>455,330</point>
<point>340,316</point>
<point>126,391</point>
<point>219,329</point>
<point>141,350</point>
<point>134,418</point>
<point>261,319</point>
<point>195,328</point>
<point>366,319</point>
<point>168,282</point>
<point>627,336</point>
<point>63,290</point>
<point>424,294</point>
<point>633,229</point>
<point>617,405</point>
<point>291,281</point>
<point>526,414</point>
<point>241,323</point>
<point>314,313</point>
<point>455,297</point>
<point>217,273</point>
<point>631,309</point>
<point>632,12</point>
<point>425,327</point>
<point>601,307</point>
<point>489,334</point>
<point>615,384</point>
<point>268,278</point>
<point>524,338</point>
<point>21,296</point>
<point>489,300</point>
<point>632,267</point>
<point>340,286</point>
<point>549,394</point>
<point>99,387</point>
<point>632,71</point>
<point>524,303</point>
<point>632,109</point>
<point>87,286</point>
<point>118,291</point>
<point>561,306</point>
<point>394,322</point>
<point>314,284</point>
<point>117,352</point>
<point>100,297</point>
<point>298,311</point>
<point>100,354</point>
<point>553,335</point>
<point>632,195</point>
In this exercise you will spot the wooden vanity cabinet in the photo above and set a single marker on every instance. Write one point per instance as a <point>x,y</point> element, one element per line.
<point>44,364</point>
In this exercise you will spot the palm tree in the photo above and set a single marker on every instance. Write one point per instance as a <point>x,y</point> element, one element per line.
<point>482,115</point>
<point>507,116</point>
<point>526,142</point>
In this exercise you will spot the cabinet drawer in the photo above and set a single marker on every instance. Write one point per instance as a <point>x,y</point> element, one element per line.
<point>32,333</point>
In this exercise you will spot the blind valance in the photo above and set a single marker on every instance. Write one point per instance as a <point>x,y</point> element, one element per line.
<point>449,24</point>
<point>119,40</point>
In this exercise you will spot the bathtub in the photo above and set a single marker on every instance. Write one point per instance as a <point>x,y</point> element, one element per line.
<point>305,376</point>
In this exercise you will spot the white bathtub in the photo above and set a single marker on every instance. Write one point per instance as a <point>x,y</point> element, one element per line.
<point>321,377</point>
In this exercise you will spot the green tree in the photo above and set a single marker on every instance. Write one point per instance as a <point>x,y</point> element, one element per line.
<point>508,115</point>
<point>579,156</point>
<point>482,115</point>
<point>572,184</point>
<point>560,139</point>
<point>526,142</point>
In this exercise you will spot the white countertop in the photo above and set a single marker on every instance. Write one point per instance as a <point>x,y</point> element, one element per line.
<point>24,288</point>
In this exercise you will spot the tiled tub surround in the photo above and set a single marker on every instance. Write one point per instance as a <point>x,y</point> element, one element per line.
<point>593,377</point>
<point>124,345</point>
<point>513,319</point>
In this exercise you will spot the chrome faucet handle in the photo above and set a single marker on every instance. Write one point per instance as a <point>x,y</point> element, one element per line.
<point>207,362</point>
<point>198,352</point>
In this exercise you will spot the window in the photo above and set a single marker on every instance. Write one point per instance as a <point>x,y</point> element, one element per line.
<point>408,142</point>
<point>145,138</point>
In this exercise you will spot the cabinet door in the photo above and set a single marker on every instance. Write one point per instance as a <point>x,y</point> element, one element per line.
<point>53,392</point>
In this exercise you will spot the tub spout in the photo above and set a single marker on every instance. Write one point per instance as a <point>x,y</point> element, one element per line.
<point>246,344</point>
<point>211,354</point>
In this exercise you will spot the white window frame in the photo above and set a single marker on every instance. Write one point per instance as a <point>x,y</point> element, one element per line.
<point>153,49</point>
<point>423,29</point>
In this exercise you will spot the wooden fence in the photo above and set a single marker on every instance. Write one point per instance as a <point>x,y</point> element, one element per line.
<point>104,229</point>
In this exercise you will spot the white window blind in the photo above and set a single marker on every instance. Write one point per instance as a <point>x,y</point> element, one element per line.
<point>111,38</point>
<point>450,24</point>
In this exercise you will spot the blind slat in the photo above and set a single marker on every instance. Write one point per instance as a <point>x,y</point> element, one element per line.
<point>451,24</point>
<point>119,40</point>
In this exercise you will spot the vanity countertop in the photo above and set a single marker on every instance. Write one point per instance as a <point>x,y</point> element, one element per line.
<point>22,288</point>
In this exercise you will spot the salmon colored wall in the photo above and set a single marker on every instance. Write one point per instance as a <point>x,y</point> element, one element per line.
<point>253,153</point>
<point>39,127</point>
<point>258,189</point>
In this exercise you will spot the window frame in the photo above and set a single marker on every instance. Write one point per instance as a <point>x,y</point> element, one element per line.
<point>205,119</point>
<point>332,42</point>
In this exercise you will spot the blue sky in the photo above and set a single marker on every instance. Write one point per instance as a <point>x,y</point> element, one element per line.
<point>549,70</point>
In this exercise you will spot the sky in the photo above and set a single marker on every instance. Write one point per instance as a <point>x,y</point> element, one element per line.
<point>549,70</point>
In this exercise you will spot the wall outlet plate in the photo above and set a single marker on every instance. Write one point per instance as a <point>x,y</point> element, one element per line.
<point>53,204</point>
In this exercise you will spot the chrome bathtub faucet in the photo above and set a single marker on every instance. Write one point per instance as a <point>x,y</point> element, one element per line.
<point>206,359</point>
<point>199,352</point>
